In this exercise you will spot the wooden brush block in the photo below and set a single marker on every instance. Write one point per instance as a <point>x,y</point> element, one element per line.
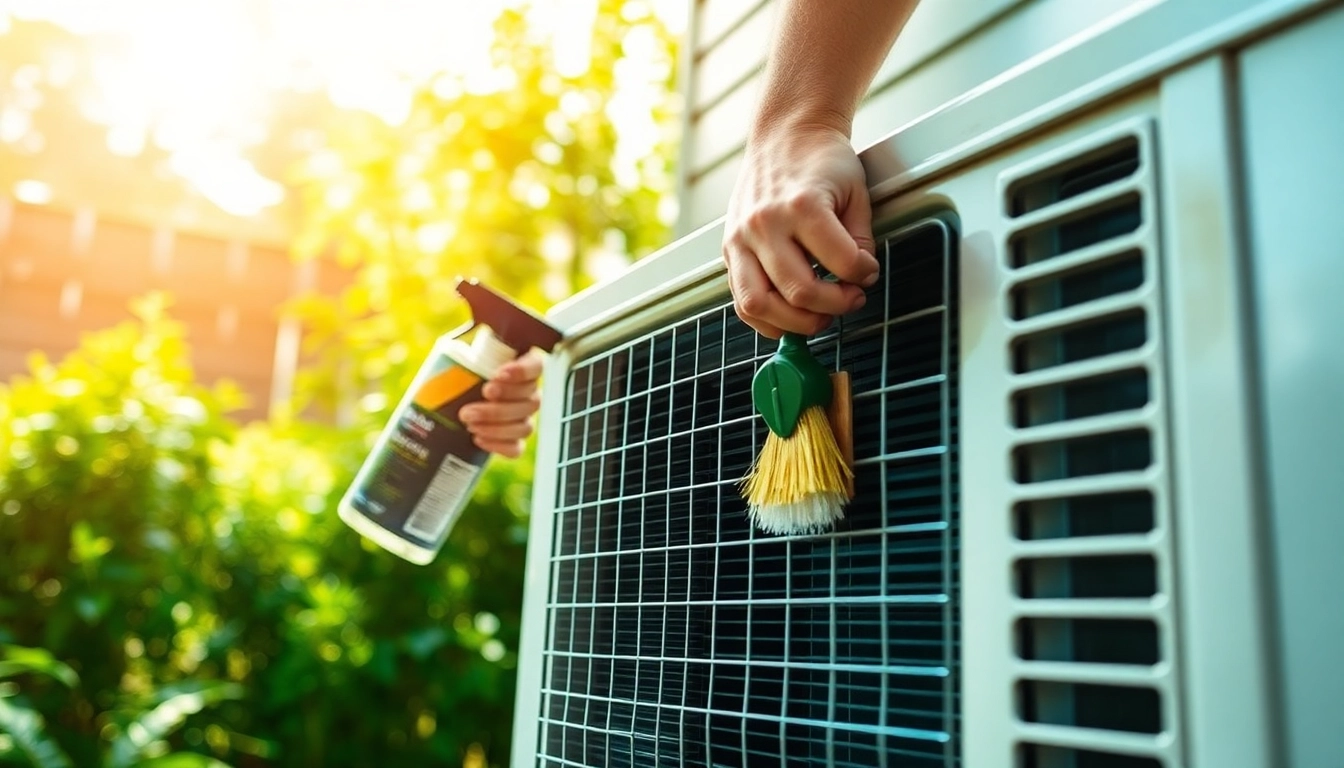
<point>841,417</point>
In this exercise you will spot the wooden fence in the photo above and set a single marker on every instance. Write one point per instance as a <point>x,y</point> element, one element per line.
<point>64,273</point>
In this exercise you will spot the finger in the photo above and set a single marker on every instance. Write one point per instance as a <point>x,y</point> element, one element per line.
<point>512,430</point>
<point>760,326</point>
<point>856,216</point>
<point>789,269</point>
<point>760,306</point>
<point>765,329</point>
<point>508,448</point>
<point>833,248</point>
<point>497,412</point>
<point>842,244</point>
<point>505,391</point>
<point>526,368</point>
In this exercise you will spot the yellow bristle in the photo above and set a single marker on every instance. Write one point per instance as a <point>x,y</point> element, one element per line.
<point>799,484</point>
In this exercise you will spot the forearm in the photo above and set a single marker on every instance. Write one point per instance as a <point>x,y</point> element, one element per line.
<point>824,56</point>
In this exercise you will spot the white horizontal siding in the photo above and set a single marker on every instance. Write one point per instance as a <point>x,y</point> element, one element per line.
<point>948,48</point>
<point>716,18</point>
<point>727,63</point>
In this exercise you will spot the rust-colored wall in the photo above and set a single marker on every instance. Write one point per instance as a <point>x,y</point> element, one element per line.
<point>65,273</point>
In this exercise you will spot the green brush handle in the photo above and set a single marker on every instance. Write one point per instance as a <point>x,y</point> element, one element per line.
<point>787,384</point>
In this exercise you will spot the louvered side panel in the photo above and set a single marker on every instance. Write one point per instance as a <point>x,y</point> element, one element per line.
<point>1086,669</point>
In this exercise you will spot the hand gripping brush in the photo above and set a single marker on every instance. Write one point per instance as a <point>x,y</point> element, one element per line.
<point>802,479</point>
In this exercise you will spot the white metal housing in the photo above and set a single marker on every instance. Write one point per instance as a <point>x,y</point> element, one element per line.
<point>1140,448</point>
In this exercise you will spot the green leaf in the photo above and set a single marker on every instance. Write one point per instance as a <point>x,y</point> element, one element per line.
<point>28,729</point>
<point>182,760</point>
<point>18,660</point>
<point>422,642</point>
<point>91,608</point>
<point>85,546</point>
<point>130,746</point>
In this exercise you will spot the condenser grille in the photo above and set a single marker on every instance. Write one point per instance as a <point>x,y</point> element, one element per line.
<point>677,634</point>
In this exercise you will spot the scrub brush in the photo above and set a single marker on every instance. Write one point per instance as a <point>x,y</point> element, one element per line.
<point>802,479</point>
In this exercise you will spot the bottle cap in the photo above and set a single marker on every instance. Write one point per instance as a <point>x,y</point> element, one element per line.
<point>490,351</point>
<point>517,327</point>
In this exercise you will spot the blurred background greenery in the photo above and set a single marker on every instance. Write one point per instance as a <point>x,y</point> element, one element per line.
<point>175,587</point>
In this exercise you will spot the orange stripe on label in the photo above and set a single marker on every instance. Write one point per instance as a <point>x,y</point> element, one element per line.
<point>445,387</point>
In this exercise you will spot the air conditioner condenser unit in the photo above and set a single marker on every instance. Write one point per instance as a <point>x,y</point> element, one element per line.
<point>1054,555</point>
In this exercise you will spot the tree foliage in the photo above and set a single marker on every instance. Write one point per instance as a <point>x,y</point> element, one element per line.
<point>176,590</point>
<point>514,179</point>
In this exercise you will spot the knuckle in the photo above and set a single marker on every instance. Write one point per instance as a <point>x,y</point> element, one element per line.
<point>758,220</point>
<point>799,293</point>
<point>803,205</point>
<point>750,305</point>
<point>734,245</point>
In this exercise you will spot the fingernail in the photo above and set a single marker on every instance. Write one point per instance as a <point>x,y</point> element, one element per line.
<point>870,280</point>
<point>860,301</point>
<point>490,390</point>
<point>467,414</point>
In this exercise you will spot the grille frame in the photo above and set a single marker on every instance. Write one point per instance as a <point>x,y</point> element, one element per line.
<point>899,315</point>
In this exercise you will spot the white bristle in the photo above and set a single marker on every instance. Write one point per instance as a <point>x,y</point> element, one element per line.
<point>814,513</point>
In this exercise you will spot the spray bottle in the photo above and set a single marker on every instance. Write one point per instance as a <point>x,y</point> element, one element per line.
<point>424,465</point>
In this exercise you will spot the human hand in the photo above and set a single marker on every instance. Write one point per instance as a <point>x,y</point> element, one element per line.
<point>503,420</point>
<point>801,191</point>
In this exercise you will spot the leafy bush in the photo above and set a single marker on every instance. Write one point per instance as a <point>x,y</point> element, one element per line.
<point>185,583</point>
<point>195,592</point>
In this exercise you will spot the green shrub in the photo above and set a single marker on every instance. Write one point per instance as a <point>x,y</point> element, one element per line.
<point>162,552</point>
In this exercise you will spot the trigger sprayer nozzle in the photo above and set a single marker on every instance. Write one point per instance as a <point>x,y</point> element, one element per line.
<point>514,325</point>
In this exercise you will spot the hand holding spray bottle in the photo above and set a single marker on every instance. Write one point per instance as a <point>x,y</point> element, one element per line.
<point>424,466</point>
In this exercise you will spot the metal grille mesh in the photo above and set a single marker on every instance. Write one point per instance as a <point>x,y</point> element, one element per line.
<point>678,635</point>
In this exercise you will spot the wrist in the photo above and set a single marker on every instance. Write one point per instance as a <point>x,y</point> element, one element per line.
<point>798,124</point>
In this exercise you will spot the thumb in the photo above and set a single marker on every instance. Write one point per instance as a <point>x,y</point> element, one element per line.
<point>857,219</point>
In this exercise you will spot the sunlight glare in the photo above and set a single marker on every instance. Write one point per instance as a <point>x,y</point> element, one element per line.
<point>126,140</point>
<point>197,78</point>
<point>32,192</point>
<point>571,25</point>
<point>228,180</point>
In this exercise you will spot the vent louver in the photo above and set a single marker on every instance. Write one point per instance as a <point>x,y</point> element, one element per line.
<point>678,635</point>
<point>1092,617</point>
